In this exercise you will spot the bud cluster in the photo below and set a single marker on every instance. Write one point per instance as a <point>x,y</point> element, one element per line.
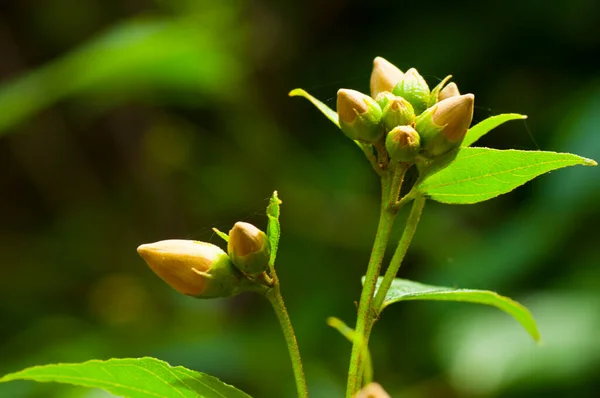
<point>203,270</point>
<point>405,114</point>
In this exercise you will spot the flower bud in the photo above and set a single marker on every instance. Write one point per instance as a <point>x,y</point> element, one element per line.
<point>398,112</point>
<point>403,143</point>
<point>193,268</point>
<point>372,390</point>
<point>359,116</point>
<point>444,126</point>
<point>383,98</point>
<point>451,90</point>
<point>249,248</point>
<point>414,89</point>
<point>384,77</point>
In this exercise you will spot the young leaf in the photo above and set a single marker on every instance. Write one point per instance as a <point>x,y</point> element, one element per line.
<point>483,127</point>
<point>327,111</point>
<point>132,378</point>
<point>333,116</point>
<point>273,227</point>
<point>478,174</point>
<point>404,290</point>
<point>221,234</point>
<point>351,336</point>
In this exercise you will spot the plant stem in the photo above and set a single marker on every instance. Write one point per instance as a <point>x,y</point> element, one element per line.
<point>396,262</point>
<point>365,312</point>
<point>276,300</point>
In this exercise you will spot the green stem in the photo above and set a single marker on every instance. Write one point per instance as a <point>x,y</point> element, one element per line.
<point>276,300</point>
<point>365,312</point>
<point>399,170</point>
<point>396,262</point>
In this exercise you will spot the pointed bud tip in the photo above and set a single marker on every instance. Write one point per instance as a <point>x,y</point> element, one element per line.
<point>384,76</point>
<point>249,248</point>
<point>181,263</point>
<point>451,90</point>
<point>456,114</point>
<point>349,104</point>
<point>245,238</point>
<point>403,143</point>
<point>359,115</point>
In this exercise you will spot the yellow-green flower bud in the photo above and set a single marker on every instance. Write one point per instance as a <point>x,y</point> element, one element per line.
<point>383,98</point>
<point>403,143</point>
<point>384,77</point>
<point>444,126</point>
<point>414,89</point>
<point>193,268</point>
<point>359,116</point>
<point>372,390</point>
<point>249,248</point>
<point>451,90</point>
<point>398,112</point>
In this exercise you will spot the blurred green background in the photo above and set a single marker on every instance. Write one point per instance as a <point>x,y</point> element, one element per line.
<point>125,122</point>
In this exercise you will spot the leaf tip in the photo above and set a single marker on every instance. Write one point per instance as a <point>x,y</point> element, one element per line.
<point>296,92</point>
<point>590,162</point>
<point>275,198</point>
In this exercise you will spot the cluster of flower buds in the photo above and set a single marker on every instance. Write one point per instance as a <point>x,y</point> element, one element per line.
<point>404,113</point>
<point>203,270</point>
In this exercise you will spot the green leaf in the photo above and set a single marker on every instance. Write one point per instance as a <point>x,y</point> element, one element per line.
<point>405,290</point>
<point>327,111</point>
<point>351,336</point>
<point>132,378</point>
<point>130,59</point>
<point>476,174</point>
<point>483,127</point>
<point>331,115</point>
<point>273,227</point>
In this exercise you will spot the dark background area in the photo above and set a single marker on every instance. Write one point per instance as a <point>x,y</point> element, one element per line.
<point>125,122</point>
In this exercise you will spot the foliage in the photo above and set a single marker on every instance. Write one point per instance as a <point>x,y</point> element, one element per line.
<point>486,244</point>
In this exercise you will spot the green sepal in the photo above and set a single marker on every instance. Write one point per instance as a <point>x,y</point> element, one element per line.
<point>427,129</point>
<point>398,112</point>
<point>221,234</point>
<point>433,97</point>
<point>384,98</point>
<point>403,144</point>
<point>366,126</point>
<point>327,111</point>
<point>223,280</point>
<point>414,89</point>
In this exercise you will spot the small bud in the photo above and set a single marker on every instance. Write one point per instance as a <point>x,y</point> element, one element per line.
<point>403,143</point>
<point>193,268</point>
<point>372,390</point>
<point>383,98</point>
<point>398,112</point>
<point>414,89</point>
<point>384,77</point>
<point>444,126</point>
<point>249,248</point>
<point>359,116</point>
<point>451,90</point>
